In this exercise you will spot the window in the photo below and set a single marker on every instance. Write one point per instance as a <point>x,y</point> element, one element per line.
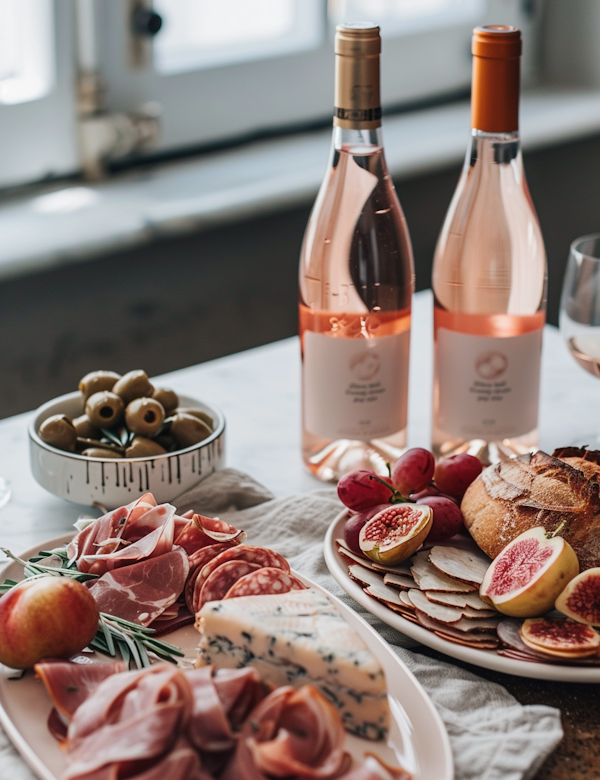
<point>220,71</point>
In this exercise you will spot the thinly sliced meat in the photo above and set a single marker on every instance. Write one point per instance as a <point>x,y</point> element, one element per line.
<point>292,733</point>
<point>192,538</point>
<point>246,552</point>
<point>142,591</point>
<point>69,684</point>
<point>197,561</point>
<point>263,582</point>
<point>222,702</point>
<point>373,769</point>
<point>164,626</point>
<point>219,582</point>
<point>219,530</point>
<point>181,763</point>
<point>131,717</point>
<point>101,534</point>
<point>152,545</point>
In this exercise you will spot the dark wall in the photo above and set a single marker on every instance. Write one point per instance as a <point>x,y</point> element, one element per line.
<point>186,300</point>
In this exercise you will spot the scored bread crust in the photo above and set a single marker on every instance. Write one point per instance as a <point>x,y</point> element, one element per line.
<point>515,495</point>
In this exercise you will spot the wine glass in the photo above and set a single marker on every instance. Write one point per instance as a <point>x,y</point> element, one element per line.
<point>580,306</point>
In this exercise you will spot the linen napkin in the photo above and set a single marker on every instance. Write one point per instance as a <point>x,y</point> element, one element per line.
<point>493,737</point>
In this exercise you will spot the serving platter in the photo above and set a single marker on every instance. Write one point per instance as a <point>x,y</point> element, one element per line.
<point>418,740</point>
<point>487,659</point>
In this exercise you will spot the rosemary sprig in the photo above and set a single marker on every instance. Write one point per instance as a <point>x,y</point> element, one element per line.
<point>133,642</point>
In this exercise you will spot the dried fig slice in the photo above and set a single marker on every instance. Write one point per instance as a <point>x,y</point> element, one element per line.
<point>487,632</point>
<point>434,611</point>
<point>472,600</point>
<point>399,581</point>
<point>580,600</point>
<point>385,594</point>
<point>402,568</point>
<point>395,533</point>
<point>529,574</point>
<point>364,576</point>
<point>463,565</point>
<point>562,637</point>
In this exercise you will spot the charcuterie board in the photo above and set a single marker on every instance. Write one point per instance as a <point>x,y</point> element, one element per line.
<point>415,729</point>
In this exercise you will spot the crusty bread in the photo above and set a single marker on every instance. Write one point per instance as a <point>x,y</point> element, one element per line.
<point>514,495</point>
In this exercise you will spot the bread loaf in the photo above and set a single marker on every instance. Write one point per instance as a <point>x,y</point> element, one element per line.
<point>514,495</point>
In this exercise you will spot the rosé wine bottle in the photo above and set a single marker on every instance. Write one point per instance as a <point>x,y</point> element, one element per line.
<point>356,284</point>
<point>489,276</point>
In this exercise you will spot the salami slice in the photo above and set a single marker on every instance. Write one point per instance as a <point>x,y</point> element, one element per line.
<point>265,581</point>
<point>198,560</point>
<point>249,553</point>
<point>220,581</point>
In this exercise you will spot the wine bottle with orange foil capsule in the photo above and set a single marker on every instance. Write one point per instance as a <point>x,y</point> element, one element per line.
<point>356,284</point>
<point>489,275</point>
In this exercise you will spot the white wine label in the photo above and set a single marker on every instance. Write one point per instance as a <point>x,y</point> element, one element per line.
<point>355,388</point>
<point>489,387</point>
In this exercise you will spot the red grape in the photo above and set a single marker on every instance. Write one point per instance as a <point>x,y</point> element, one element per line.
<point>447,518</point>
<point>355,523</point>
<point>361,489</point>
<point>413,471</point>
<point>454,474</point>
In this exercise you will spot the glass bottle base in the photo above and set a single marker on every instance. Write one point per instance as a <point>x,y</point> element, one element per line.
<point>329,460</point>
<point>488,452</point>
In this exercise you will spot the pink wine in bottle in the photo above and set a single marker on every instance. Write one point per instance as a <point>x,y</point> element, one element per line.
<point>356,284</point>
<point>489,276</point>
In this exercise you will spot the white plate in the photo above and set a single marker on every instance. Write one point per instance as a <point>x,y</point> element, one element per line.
<point>488,659</point>
<point>418,738</point>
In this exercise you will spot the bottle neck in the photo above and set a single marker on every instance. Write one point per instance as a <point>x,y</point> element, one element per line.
<point>491,149</point>
<point>357,141</point>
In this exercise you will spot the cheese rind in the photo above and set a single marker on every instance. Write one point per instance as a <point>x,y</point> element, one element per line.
<point>297,638</point>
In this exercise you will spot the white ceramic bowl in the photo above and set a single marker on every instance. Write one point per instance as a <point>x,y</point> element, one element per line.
<point>112,482</point>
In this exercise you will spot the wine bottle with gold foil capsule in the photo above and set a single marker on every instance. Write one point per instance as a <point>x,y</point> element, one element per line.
<point>356,284</point>
<point>489,275</point>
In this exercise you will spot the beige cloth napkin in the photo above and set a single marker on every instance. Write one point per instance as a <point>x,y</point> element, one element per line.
<point>493,737</point>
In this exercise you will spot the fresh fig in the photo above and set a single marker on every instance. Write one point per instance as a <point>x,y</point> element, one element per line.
<point>395,533</point>
<point>561,637</point>
<point>355,523</point>
<point>580,600</point>
<point>528,575</point>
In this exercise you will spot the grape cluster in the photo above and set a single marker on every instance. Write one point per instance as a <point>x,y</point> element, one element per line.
<point>416,478</point>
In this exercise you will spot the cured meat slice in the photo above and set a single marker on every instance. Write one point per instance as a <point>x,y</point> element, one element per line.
<point>219,582</point>
<point>266,580</point>
<point>373,769</point>
<point>292,733</point>
<point>219,530</point>
<point>132,716</point>
<point>222,701</point>
<point>246,552</point>
<point>197,561</point>
<point>69,684</point>
<point>152,545</point>
<point>142,591</point>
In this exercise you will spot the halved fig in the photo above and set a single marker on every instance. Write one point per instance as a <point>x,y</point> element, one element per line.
<point>393,534</point>
<point>562,637</point>
<point>580,600</point>
<point>528,575</point>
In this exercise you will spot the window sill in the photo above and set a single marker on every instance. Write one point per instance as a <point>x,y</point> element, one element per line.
<point>62,225</point>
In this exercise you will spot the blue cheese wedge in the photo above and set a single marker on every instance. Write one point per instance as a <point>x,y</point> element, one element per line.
<point>297,638</point>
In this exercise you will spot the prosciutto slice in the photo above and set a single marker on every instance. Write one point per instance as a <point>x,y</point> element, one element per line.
<point>131,717</point>
<point>373,769</point>
<point>70,684</point>
<point>292,733</point>
<point>142,591</point>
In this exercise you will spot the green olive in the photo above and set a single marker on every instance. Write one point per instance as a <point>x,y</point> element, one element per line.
<point>199,414</point>
<point>58,431</point>
<point>188,430</point>
<point>85,429</point>
<point>105,409</point>
<point>85,444</point>
<point>144,416</point>
<point>141,447</point>
<point>132,385</point>
<point>97,452</point>
<point>168,398</point>
<point>96,381</point>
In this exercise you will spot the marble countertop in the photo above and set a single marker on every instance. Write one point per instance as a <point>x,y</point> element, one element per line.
<point>259,392</point>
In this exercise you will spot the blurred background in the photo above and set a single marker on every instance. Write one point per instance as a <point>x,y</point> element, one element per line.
<point>158,162</point>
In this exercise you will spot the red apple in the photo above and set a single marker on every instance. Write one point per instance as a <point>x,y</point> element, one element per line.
<point>45,617</point>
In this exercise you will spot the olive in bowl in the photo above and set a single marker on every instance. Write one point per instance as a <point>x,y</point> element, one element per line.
<point>115,478</point>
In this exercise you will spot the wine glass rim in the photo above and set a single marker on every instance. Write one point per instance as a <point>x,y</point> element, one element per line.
<point>578,253</point>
